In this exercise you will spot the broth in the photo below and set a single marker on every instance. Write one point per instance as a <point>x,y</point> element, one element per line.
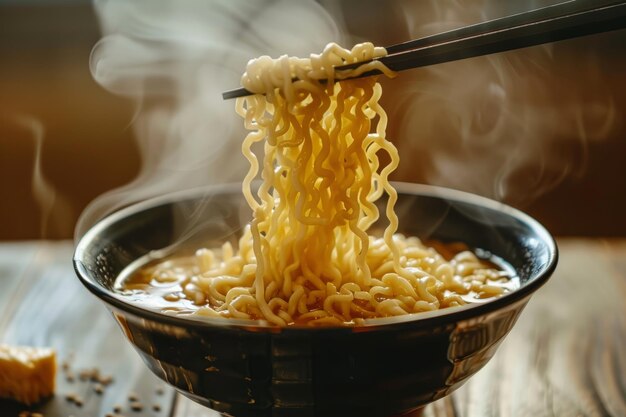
<point>159,284</point>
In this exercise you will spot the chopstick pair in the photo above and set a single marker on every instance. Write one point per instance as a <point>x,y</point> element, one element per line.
<point>562,21</point>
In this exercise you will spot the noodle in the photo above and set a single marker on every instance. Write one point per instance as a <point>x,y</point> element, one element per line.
<point>307,257</point>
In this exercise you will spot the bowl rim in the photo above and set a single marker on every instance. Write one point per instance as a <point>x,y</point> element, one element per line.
<point>448,315</point>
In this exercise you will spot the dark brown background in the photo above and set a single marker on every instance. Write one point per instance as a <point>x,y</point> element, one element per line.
<point>88,147</point>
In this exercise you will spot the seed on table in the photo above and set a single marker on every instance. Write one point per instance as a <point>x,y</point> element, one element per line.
<point>136,406</point>
<point>117,408</point>
<point>133,397</point>
<point>106,380</point>
<point>156,407</point>
<point>95,375</point>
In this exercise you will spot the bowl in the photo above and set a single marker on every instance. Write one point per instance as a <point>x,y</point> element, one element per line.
<point>249,369</point>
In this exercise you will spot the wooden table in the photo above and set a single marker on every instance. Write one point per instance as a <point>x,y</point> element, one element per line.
<point>566,355</point>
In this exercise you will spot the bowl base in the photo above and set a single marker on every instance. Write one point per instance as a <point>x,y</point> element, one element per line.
<point>416,412</point>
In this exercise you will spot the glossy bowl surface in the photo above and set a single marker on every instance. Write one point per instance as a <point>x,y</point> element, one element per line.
<point>250,369</point>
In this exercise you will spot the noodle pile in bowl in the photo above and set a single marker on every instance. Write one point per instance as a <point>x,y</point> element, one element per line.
<point>307,257</point>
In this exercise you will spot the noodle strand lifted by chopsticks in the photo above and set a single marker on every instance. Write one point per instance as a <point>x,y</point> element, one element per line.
<point>307,257</point>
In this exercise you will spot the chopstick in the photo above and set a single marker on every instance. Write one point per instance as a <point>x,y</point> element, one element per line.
<point>562,21</point>
<point>532,16</point>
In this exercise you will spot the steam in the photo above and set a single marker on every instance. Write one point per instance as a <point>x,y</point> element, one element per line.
<point>501,125</point>
<point>174,59</point>
<point>494,125</point>
<point>56,211</point>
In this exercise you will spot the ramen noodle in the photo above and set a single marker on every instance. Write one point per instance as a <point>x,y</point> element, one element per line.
<point>307,257</point>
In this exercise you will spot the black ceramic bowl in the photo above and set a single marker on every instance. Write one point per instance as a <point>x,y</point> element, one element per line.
<point>247,369</point>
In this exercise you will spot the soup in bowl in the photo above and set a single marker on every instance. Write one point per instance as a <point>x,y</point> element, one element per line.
<point>380,367</point>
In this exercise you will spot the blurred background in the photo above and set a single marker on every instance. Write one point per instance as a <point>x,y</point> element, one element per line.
<point>541,129</point>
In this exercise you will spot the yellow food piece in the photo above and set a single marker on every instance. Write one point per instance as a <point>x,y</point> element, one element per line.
<point>26,373</point>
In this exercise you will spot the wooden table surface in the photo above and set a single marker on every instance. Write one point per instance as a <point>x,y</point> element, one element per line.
<point>566,356</point>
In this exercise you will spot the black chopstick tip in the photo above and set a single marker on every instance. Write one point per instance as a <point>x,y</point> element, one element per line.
<point>235,93</point>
